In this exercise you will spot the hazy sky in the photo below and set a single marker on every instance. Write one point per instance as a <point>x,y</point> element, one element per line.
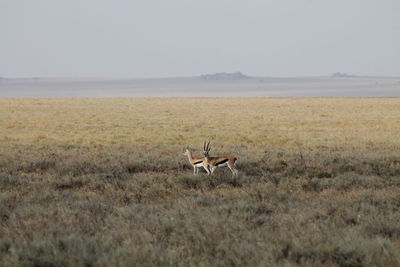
<point>162,38</point>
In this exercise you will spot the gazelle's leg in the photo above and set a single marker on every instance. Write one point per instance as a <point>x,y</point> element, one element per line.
<point>205,166</point>
<point>194,169</point>
<point>232,170</point>
<point>213,169</point>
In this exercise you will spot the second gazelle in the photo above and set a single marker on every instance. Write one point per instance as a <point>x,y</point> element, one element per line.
<point>195,162</point>
<point>210,164</point>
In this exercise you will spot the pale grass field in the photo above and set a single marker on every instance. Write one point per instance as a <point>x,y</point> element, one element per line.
<point>257,122</point>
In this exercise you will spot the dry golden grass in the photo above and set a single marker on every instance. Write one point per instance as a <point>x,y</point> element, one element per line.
<point>259,122</point>
<point>101,182</point>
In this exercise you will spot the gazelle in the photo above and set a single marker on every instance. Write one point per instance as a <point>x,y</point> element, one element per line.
<point>213,163</point>
<point>195,162</point>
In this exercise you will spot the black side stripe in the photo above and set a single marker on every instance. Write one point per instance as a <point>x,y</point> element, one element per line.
<point>197,162</point>
<point>221,162</point>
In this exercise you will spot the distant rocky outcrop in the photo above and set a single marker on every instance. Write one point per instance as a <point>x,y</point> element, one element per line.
<point>224,76</point>
<point>342,75</point>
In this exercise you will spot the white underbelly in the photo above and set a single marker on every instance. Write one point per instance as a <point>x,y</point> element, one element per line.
<point>199,165</point>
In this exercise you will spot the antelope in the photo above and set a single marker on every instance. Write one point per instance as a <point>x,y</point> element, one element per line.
<point>195,162</point>
<point>219,161</point>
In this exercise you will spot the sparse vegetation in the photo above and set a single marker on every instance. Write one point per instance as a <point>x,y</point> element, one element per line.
<point>103,182</point>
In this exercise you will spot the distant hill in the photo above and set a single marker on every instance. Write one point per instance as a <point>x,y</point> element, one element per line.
<point>343,75</point>
<point>224,76</point>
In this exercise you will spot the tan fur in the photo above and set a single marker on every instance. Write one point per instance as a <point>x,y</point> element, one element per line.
<point>194,160</point>
<point>210,164</point>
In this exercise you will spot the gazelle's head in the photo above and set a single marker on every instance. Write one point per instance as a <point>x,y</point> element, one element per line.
<point>187,151</point>
<point>206,149</point>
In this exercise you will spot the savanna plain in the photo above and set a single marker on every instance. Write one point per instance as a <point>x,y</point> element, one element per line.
<point>104,182</point>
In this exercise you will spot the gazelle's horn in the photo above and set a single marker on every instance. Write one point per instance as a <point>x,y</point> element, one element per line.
<point>208,147</point>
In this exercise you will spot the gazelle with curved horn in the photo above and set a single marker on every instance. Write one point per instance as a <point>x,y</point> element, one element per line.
<point>195,162</point>
<point>212,163</point>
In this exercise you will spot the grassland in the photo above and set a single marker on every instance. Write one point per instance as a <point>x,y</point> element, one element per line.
<point>102,182</point>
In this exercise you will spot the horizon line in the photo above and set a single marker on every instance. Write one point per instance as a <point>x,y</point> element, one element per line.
<point>334,75</point>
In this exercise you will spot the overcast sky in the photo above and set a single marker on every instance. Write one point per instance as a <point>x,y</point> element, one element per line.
<point>163,38</point>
